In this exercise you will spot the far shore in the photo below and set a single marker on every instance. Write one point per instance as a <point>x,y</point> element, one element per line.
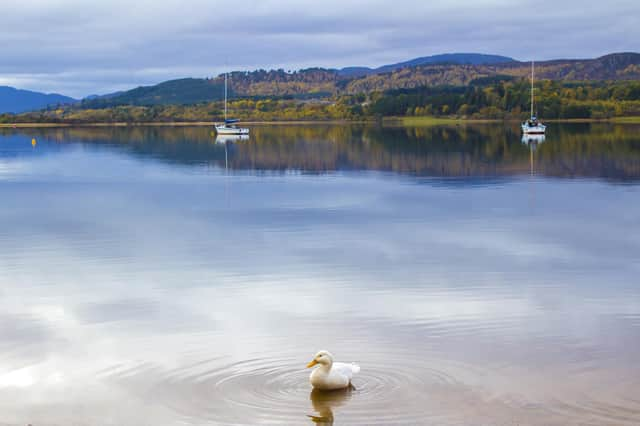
<point>435,121</point>
<point>392,121</point>
<point>177,123</point>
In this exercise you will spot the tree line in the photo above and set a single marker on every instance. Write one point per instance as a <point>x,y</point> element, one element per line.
<point>497,97</point>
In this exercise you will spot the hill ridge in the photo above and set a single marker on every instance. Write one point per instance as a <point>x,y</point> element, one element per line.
<point>324,82</point>
<point>15,100</point>
<point>318,82</point>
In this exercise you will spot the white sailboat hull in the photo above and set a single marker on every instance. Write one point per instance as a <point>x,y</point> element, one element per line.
<point>230,130</point>
<point>537,129</point>
<point>533,126</point>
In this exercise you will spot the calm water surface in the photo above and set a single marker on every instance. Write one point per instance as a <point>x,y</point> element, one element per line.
<point>152,276</point>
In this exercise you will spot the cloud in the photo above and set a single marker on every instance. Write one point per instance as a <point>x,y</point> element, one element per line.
<point>78,48</point>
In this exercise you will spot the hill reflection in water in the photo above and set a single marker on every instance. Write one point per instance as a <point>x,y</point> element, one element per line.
<point>605,151</point>
<point>155,276</point>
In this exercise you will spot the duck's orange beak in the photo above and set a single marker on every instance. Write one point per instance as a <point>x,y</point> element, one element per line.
<point>312,363</point>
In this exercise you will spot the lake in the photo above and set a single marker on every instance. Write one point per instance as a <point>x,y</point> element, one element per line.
<point>156,275</point>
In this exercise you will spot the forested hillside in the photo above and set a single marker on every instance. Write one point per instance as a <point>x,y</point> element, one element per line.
<point>491,97</point>
<point>599,88</point>
<point>319,82</point>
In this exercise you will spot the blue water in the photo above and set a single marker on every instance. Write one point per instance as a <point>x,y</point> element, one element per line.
<point>156,276</point>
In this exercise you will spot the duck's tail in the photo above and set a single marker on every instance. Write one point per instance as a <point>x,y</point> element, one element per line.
<point>355,368</point>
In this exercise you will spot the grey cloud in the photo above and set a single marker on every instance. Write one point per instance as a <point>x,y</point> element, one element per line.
<point>25,339</point>
<point>79,48</point>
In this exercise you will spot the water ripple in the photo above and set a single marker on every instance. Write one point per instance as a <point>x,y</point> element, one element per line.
<point>276,390</point>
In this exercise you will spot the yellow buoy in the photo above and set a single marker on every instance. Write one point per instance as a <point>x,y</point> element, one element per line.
<point>33,142</point>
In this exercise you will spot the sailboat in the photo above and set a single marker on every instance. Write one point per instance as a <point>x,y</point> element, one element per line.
<point>533,126</point>
<point>229,127</point>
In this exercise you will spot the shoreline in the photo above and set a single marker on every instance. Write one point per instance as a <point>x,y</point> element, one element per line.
<point>179,123</point>
<point>435,121</point>
<point>393,121</point>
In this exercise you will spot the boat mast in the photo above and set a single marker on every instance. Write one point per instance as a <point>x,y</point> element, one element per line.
<point>532,89</point>
<point>225,97</point>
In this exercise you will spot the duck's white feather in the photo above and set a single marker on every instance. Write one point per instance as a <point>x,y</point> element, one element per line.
<point>332,375</point>
<point>345,369</point>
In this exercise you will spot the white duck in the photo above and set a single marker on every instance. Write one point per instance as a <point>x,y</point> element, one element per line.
<point>331,375</point>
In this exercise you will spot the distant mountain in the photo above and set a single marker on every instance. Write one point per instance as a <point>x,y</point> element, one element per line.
<point>108,95</point>
<point>615,66</point>
<point>304,83</point>
<point>450,69</point>
<point>355,71</point>
<point>15,100</point>
<point>447,58</point>
<point>178,92</point>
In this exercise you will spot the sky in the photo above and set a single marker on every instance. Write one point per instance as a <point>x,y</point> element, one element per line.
<point>79,47</point>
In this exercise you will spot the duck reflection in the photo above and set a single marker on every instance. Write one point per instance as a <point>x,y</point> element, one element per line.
<point>324,402</point>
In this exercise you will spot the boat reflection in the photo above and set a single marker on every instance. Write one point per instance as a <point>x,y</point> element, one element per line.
<point>324,403</point>
<point>231,138</point>
<point>530,140</point>
<point>227,140</point>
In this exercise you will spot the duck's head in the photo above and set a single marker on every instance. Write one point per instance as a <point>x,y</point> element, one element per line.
<point>322,357</point>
